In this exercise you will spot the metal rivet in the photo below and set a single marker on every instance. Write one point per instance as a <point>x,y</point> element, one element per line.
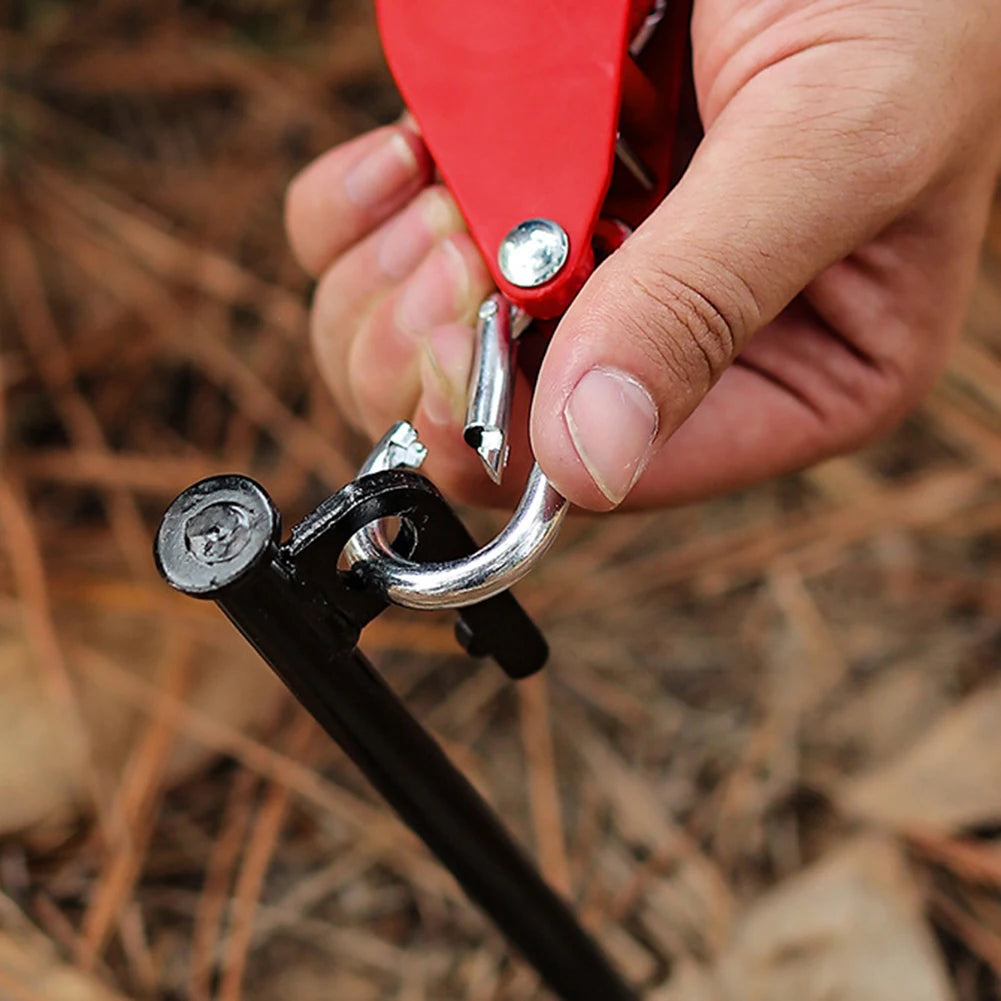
<point>533,253</point>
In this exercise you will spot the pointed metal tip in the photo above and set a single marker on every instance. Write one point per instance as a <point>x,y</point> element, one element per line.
<point>491,446</point>
<point>492,463</point>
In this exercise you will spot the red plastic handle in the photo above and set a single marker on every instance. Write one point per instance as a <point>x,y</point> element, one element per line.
<point>519,102</point>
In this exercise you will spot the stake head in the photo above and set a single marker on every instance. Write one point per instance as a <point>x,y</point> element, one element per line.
<point>214,534</point>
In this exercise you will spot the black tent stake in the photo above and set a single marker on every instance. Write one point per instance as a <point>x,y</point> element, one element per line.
<point>219,540</point>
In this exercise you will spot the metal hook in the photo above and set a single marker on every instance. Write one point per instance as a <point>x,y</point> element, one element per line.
<point>535,523</point>
<point>496,567</point>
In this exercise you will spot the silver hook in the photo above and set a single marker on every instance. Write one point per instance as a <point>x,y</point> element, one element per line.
<point>535,523</point>
<point>454,584</point>
<point>528,536</point>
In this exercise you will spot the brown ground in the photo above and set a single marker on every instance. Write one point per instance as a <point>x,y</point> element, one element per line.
<point>797,679</point>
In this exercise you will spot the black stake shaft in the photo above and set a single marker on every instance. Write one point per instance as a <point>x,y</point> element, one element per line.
<point>218,540</point>
<point>404,763</point>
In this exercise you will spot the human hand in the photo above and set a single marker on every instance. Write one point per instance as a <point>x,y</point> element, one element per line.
<point>790,299</point>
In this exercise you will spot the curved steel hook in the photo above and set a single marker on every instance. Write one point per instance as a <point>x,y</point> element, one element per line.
<point>497,566</point>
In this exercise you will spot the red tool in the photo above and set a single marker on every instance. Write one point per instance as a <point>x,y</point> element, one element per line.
<point>545,118</point>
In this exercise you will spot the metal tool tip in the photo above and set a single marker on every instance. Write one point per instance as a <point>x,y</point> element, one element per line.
<point>492,448</point>
<point>401,447</point>
<point>493,464</point>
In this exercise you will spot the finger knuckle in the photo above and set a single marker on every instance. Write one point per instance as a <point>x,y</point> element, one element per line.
<point>869,402</point>
<point>890,149</point>
<point>870,398</point>
<point>895,167</point>
<point>901,383</point>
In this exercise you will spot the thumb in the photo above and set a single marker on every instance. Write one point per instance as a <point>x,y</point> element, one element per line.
<point>788,180</point>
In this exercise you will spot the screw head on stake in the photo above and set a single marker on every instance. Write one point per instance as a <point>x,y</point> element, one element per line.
<point>214,533</point>
<point>533,253</point>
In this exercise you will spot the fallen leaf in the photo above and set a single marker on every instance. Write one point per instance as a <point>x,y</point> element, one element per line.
<point>884,714</point>
<point>950,779</point>
<point>848,929</point>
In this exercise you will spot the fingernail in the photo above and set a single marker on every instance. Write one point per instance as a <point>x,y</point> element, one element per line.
<point>407,240</point>
<point>612,421</point>
<point>435,293</point>
<point>445,364</point>
<point>383,172</point>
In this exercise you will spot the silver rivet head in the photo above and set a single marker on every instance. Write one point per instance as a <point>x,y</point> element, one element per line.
<point>533,253</point>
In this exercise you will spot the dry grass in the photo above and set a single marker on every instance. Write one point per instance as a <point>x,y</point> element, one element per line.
<point>719,672</point>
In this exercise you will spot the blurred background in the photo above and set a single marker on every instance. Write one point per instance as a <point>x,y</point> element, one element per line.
<point>765,761</point>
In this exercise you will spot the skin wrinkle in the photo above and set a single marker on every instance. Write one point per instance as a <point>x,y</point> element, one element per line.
<point>885,264</point>
<point>881,316</point>
<point>857,400</point>
<point>938,56</point>
<point>723,91</point>
<point>725,332</point>
<point>666,353</point>
<point>898,373</point>
<point>713,334</point>
<point>787,387</point>
<point>846,373</point>
<point>745,298</point>
<point>897,138</point>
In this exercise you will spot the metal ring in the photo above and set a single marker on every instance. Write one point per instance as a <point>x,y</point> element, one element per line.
<point>496,567</point>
